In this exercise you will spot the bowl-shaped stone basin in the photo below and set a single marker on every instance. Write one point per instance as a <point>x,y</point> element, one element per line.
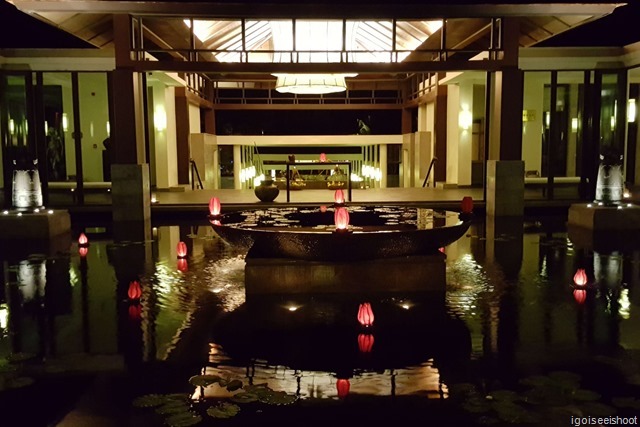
<point>310,234</point>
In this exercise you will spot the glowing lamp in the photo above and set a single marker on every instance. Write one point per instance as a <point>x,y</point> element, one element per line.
<point>467,205</point>
<point>323,157</point>
<point>135,292</point>
<point>365,343</point>
<point>183,266</point>
<point>580,278</point>
<point>365,315</point>
<point>83,240</point>
<point>338,197</point>
<point>83,250</point>
<point>341,218</point>
<point>580,295</point>
<point>214,206</point>
<point>343,388</point>
<point>181,250</point>
<point>135,312</point>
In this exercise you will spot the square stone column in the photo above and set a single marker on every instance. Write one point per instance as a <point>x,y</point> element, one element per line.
<point>131,196</point>
<point>505,188</point>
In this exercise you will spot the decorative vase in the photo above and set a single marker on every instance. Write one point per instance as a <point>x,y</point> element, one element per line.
<point>267,191</point>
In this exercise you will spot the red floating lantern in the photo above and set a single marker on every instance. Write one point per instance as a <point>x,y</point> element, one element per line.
<point>214,206</point>
<point>580,295</point>
<point>181,250</point>
<point>338,197</point>
<point>135,311</point>
<point>83,240</point>
<point>183,266</point>
<point>341,218</point>
<point>135,292</point>
<point>323,157</point>
<point>343,386</point>
<point>467,205</point>
<point>365,315</point>
<point>580,278</point>
<point>365,343</point>
<point>83,250</point>
<point>441,249</point>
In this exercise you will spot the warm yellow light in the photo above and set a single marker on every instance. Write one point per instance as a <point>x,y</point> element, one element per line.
<point>311,84</point>
<point>12,127</point>
<point>631,111</point>
<point>465,119</point>
<point>574,125</point>
<point>65,122</point>
<point>160,119</point>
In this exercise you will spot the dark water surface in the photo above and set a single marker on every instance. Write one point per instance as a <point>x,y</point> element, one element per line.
<point>512,341</point>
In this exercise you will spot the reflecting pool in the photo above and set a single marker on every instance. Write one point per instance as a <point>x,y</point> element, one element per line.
<point>538,325</point>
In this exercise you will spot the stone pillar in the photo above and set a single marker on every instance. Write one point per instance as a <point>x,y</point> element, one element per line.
<point>237,165</point>
<point>505,188</point>
<point>131,196</point>
<point>383,165</point>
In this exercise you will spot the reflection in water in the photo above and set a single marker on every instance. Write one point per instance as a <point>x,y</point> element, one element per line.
<point>516,303</point>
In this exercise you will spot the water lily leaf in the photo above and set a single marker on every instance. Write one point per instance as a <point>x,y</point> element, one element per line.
<point>234,385</point>
<point>535,381</point>
<point>244,397</point>
<point>565,377</point>
<point>506,395</point>
<point>224,410</point>
<point>204,380</point>
<point>173,407</point>
<point>185,419</point>
<point>20,357</point>
<point>476,405</point>
<point>20,382</point>
<point>586,395</point>
<point>259,390</point>
<point>510,412</point>
<point>149,401</point>
<point>626,402</point>
<point>597,409</point>
<point>177,396</point>
<point>278,398</point>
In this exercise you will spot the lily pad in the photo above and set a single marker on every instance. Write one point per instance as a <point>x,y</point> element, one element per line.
<point>204,380</point>
<point>149,401</point>
<point>174,407</point>
<point>626,402</point>
<point>586,395</point>
<point>20,382</point>
<point>279,398</point>
<point>244,397</point>
<point>565,377</point>
<point>20,357</point>
<point>185,419</point>
<point>234,385</point>
<point>504,395</point>
<point>224,410</point>
<point>535,381</point>
<point>258,390</point>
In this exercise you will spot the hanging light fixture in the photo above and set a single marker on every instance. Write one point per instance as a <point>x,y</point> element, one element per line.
<point>311,84</point>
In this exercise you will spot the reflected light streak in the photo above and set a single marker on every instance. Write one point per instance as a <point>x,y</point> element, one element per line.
<point>625,304</point>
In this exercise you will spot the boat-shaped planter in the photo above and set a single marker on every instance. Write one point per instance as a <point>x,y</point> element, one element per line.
<point>373,232</point>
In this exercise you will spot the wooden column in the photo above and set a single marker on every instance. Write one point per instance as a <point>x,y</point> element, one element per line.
<point>182,135</point>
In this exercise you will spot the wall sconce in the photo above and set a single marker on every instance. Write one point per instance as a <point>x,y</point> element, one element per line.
<point>160,119</point>
<point>631,111</point>
<point>465,120</point>
<point>108,128</point>
<point>574,125</point>
<point>65,122</point>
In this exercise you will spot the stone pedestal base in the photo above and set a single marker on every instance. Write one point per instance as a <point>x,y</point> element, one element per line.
<point>599,218</point>
<point>287,276</point>
<point>37,226</point>
<point>505,188</point>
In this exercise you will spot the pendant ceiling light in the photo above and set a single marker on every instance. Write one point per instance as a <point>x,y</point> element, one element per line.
<point>315,84</point>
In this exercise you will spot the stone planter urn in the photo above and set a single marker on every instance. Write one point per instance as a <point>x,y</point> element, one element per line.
<point>266,191</point>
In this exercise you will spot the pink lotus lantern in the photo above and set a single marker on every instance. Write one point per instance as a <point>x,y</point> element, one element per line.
<point>343,385</point>
<point>135,292</point>
<point>338,197</point>
<point>83,251</point>
<point>83,240</point>
<point>580,278</point>
<point>181,250</point>
<point>365,315</point>
<point>214,206</point>
<point>183,266</point>
<point>441,249</point>
<point>341,218</point>
<point>323,208</point>
<point>580,295</point>
<point>467,205</point>
<point>365,343</point>
<point>323,157</point>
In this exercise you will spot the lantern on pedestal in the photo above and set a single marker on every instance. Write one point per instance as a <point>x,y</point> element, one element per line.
<point>342,385</point>
<point>181,250</point>
<point>323,157</point>
<point>580,278</point>
<point>214,206</point>
<point>365,315</point>
<point>341,218</point>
